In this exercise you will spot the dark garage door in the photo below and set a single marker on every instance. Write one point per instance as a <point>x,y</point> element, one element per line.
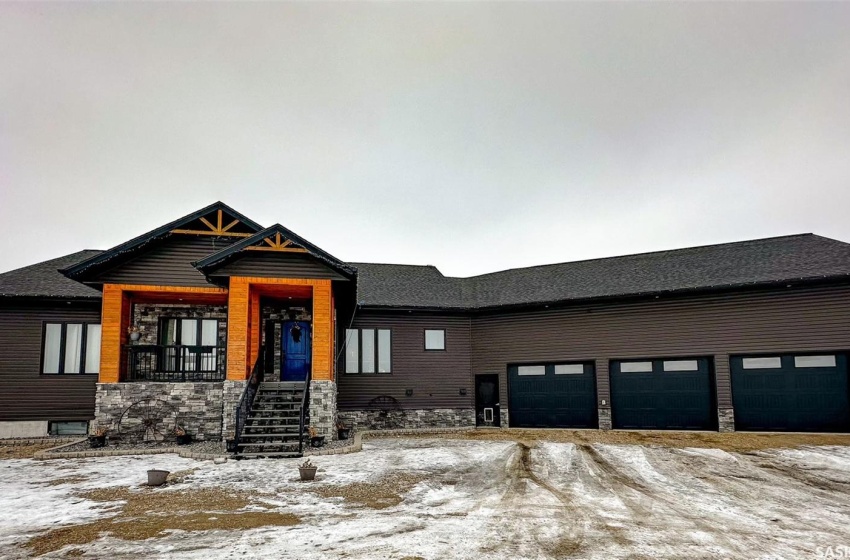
<point>552,396</point>
<point>662,394</point>
<point>791,393</point>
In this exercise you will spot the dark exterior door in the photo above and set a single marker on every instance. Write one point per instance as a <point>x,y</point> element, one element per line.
<point>791,393</point>
<point>295,340</point>
<point>663,394</point>
<point>552,396</point>
<point>487,411</point>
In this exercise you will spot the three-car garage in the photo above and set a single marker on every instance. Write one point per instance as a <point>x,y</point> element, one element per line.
<point>783,392</point>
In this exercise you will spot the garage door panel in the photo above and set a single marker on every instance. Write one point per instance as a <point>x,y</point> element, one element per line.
<point>564,400</point>
<point>792,398</point>
<point>663,399</point>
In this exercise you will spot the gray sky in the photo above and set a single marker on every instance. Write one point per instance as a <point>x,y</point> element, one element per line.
<point>471,136</point>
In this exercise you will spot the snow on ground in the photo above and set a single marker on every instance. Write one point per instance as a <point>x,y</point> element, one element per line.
<point>477,499</point>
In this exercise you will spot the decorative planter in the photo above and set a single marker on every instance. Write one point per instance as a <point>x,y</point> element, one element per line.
<point>157,477</point>
<point>317,441</point>
<point>96,442</point>
<point>343,433</point>
<point>135,336</point>
<point>185,439</point>
<point>307,473</point>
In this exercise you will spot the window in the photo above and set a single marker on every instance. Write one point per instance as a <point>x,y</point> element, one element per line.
<point>569,369</point>
<point>814,361</point>
<point>761,363</point>
<point>531,370</point>
<point>71,348</point>
<point>681,365</point>
<point>635,367</point>
<point>68,428</point>
<point>368,351</point>
<point>189,344</point>
<point>435,339</point>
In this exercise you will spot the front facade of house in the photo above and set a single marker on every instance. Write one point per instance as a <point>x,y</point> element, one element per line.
<point>190,316</point>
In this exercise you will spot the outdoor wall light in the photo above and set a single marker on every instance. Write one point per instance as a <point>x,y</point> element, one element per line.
<point>408,392</point>
<point>462,392</point>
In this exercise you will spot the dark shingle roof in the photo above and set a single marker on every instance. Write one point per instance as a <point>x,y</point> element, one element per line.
<point>792,258</point>
<point>45,280</point>
<point>747,263</point>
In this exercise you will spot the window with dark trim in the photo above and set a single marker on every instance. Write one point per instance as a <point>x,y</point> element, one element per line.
<point>435,339</point>
<point>70,348</point>
<point>368,351</point>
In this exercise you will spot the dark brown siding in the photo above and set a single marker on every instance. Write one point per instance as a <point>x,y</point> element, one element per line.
<point>791,320</point>
<point>26,394</point>
<point>167,263</point>
<point>282,265</point>
<point>436,377</point>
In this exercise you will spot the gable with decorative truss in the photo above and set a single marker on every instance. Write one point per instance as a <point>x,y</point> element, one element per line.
<point>277,243</point>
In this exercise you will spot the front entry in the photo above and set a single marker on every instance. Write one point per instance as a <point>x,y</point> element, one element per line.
<point>295,350</point>
<point>487,400</point>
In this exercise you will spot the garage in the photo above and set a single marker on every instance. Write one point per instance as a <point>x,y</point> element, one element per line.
<point>668,394</point>
<point>558,395</point>
<point>798,393</point>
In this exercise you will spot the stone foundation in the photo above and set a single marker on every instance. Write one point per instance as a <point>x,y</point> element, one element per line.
<point>604,418</point>
<point>323,408</point>
<point>410,419</point>
<point>231,393</point>
<point>504,418</point>
<point>197,407</point>
<point>725,420</point>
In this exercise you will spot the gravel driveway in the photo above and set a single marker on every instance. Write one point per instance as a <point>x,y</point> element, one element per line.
<point>440,498</point>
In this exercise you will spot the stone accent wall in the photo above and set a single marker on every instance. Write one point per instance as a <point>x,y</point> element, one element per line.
<point>409,419</point>
<point>323,408</point>
<point>504,418</point>
<point>197,406</point>
<point>231,393</point>
<point>725,420</point>
<point>605,419</point>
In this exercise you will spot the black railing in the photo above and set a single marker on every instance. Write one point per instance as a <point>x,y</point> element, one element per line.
<point>243,409</point>
<point>156,362</point>
<point>305,403</point>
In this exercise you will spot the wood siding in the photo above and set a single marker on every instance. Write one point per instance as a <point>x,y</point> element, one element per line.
<point>436,377</point>
<point>26,394</point>
<point>281,265</point>
<point>790,320</point>
<point>167,263</point>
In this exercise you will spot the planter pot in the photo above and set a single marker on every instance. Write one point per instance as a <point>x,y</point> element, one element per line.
<point>157,477</point>
<point>343,433</point>
<point>231,445</point>
<point>135,336</point>
<point>317,441</point>
<point>185,439</point>
<point>308,473</point>
<point>96,442</point>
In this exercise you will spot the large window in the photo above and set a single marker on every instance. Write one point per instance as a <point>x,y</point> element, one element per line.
<point>71,348</point>
<point>189,344</point>
<point>368,351</point>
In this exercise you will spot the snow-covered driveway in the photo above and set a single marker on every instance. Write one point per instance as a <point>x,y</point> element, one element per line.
<point>469,499</point>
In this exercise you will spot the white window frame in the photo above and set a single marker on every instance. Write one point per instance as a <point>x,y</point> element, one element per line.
<point>569,369</point>
<point>531,370</point>
<point>636,367</point>
<point>442,341</point>
<point>765,362</point>
<point>816,361</point>
<point>681,365</point>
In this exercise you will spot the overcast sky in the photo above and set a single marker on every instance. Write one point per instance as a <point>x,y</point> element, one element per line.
<point>471,136</point>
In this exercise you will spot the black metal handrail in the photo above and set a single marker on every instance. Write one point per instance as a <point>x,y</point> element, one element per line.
<point>305,403</point>
<point>246,402</point>
<point>179,362</point>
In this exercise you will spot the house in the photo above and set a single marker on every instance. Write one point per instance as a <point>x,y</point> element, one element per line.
<point>212,311</point>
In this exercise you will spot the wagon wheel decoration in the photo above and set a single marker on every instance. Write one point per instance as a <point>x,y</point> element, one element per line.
<point>149,420</point>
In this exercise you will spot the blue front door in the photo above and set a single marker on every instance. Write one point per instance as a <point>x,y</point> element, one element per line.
<point>295,346</point>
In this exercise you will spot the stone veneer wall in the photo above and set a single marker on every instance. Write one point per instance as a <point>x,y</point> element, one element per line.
<point>605,419</point>
<point>409,419</point>
<point>146,316</point>
<point>323,408</point>
<point>725,420</point>
<point>203,409</point>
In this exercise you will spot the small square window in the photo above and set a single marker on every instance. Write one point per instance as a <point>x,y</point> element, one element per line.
<point>435,339</point>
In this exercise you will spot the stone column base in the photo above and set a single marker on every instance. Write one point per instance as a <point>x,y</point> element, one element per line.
<point>504,418</point>
<point>231,394</point>
<point>605,418</point>
<point>323,408</point>
<point>725,420</point>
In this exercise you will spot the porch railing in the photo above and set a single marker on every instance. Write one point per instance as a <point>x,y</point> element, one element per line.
<point>305,411</point>
<point>243,409</point>
<point>155,362</point>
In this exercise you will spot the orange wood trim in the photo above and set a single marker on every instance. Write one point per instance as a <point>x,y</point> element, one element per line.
<point>278,249</point>
<point>169,289</point>
<point>237,330</point>
<point>256,319</point>
<point>223,233</point>
<point>115,318</point>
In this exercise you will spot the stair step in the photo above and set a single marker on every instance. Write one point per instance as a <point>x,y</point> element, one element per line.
<point>278,439</point>
<point>272,427</point>
<point>270,444</point>
<point>277,454</point>
<point>294,417</point>
<point>281,386</point>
